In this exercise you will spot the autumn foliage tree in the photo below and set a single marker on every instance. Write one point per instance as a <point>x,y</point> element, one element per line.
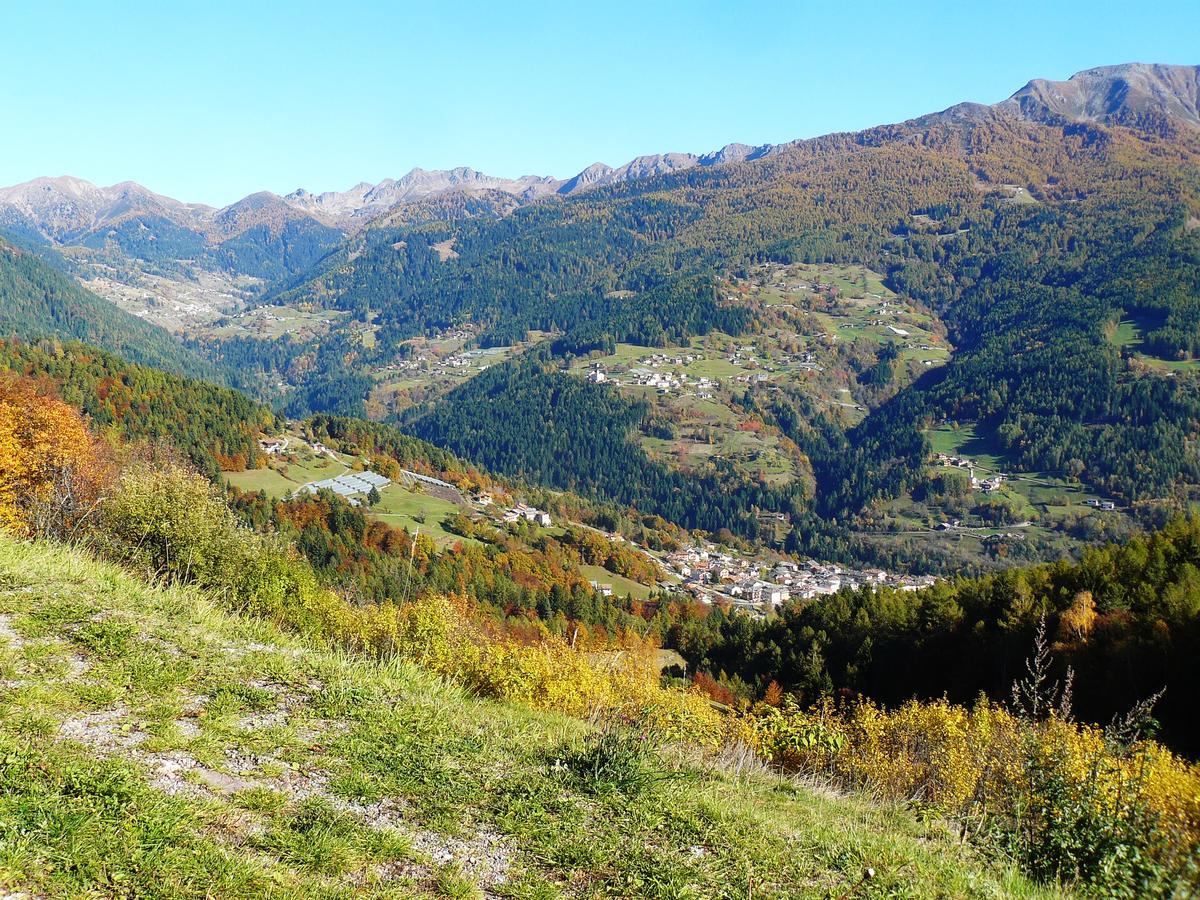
<point>50,467</point>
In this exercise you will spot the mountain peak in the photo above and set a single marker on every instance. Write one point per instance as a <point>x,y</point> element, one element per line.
<point>1149,96</point>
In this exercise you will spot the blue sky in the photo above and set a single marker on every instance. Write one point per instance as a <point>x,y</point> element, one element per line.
<point>209,101</point>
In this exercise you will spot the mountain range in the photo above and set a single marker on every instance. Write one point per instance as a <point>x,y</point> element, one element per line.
<point>71,211</point>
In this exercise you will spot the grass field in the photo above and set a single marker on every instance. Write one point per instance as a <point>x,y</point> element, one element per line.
<point>1128,334</point>
<point>863,309</point>
<point>850,280</point>
<point>411,511</point>
<point>707,426</point>
<point>153,745</point>
<point>621,586</point>
<point>1033,490</point>
<point>965,441</point>
<point>285,473</point>
<point>270,481</point>
<point>399,506</point>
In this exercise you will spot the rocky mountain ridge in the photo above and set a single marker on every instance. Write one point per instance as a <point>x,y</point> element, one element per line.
<point>68,210</point>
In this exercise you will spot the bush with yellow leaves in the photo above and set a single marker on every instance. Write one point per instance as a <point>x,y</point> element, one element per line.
<point>443,635</point>
<point>1068,801</point>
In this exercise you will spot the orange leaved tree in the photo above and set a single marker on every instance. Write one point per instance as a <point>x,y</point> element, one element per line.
<point>49,466</point>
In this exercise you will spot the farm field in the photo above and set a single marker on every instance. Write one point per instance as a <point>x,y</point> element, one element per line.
<point>186,301</point>
<point>399,506</point>
<point>1034,491</point>
<point>417,511</point>
<point>297,466</point>
<point>703,421</point>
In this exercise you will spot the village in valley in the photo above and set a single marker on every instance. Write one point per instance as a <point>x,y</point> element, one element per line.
<point>757,584</point>
<point>823,323</point>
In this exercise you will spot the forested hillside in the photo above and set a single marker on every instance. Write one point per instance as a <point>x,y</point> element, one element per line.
<point>38,301</point>
<point>1031,242</point>
<point>1125,618</point>
<point>215,427</point>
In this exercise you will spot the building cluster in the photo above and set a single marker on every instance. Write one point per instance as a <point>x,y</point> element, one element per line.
<point>756,586</point>
<point>987,485</point>
<point>528,513</point>
<point>664,382</point>
<point>656,371</point>
<point>659,360</point>
<point>428,362</point>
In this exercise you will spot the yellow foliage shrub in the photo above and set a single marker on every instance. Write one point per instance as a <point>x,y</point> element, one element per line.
<point>440,634</point>
<point>976,763</point>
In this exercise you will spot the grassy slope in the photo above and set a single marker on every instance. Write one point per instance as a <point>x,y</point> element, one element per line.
<point>152,745</point>
<point>620,585</point>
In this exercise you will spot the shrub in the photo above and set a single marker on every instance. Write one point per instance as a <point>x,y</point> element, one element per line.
<point>1086,819</point>
<point>1065,800</point>
<point>613,761</point>
<point>173,524</point>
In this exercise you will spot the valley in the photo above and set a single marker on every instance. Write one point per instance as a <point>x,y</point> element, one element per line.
<point>808,375</point>
<point>814,518</point>
<point>185,303</point>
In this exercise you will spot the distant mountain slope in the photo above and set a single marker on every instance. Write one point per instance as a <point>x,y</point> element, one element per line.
<point>264,236</point>
<point>366,203</point>
<point>1152,97</point>
<point>38,301</point>
<point>64,209</point>
<point>71,210</point>
<point>260,235</point>
<point>1134,94</point>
